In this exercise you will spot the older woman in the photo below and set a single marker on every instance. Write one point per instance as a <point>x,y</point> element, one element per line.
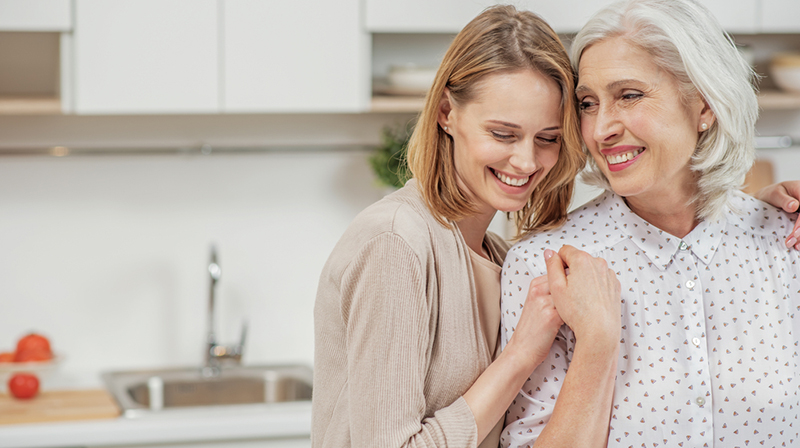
<point>407,310</point>
<point>710,292</point>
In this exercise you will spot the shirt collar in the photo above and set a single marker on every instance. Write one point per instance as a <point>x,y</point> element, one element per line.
<point>659,246</point>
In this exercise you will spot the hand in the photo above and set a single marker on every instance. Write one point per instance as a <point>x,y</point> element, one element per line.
<point>538,324</point>
<point>786,196</point>
<point>588,300</point>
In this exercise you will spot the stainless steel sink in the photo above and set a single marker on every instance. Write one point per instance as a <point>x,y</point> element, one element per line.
<point>147,392</point>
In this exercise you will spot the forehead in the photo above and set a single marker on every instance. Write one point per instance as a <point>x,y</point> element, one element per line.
<point>616,59</point>
<point>519,96</point>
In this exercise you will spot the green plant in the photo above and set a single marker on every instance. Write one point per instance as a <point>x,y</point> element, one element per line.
<point>389,159</point>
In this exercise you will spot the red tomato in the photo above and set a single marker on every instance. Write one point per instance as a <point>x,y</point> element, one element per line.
<point>23,385</point>
<point>33,341</point>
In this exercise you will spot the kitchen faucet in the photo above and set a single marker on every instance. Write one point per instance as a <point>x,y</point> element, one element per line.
<point>216,354</point>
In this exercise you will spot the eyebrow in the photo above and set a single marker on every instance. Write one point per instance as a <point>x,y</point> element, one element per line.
<point>611,86</point>
<point>516,126</point>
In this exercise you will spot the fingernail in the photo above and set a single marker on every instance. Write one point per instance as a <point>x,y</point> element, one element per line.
<point>548,254</point>
<point>796,233</point>
<point>793,206</point>
<point>792,241</point>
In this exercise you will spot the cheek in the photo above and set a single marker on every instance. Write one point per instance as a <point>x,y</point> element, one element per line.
<point>549,158</point>
<point>587,131</point>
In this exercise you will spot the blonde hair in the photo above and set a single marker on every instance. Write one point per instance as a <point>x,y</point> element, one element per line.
<point>500,39</point>
<point>686,41</point>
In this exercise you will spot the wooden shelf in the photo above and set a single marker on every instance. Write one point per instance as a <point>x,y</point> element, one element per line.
<point>397,104</point>
<point>767,100</point>
<point>30,105</point>
<point>778,100</point>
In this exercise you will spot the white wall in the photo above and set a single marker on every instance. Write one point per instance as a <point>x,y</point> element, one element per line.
<point>107,255</point>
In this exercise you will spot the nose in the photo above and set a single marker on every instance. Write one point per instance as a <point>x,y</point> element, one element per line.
<point>606,124</point>
<point>523,158</point>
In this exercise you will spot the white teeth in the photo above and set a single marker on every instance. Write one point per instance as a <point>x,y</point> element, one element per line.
<point>624,157</point>
<point>510,180</point>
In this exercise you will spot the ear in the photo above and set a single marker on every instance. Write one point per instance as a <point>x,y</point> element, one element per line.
<point>706,117</point>
<point>445,108</point>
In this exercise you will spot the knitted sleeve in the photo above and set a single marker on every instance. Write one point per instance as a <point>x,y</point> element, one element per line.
<point>387,314</point>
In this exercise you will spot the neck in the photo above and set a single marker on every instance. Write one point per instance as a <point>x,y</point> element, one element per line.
<point>673,215</point>
<point>473,229</point>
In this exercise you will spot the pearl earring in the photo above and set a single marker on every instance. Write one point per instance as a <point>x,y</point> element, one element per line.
<point>704,126</point>
<point>445,129</point>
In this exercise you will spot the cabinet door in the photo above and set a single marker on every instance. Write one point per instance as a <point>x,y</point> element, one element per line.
<point>285,56</point>
<point>35,15</point>
<point>780,16</point>
<point>566,16</point>
<point>146,56</point>
<point>735,16</point>
<point>421,16</point>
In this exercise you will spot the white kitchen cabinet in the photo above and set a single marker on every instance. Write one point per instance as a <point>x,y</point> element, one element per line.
<point>35,15</point>
<point>450,16</point>
<point>294,57</point>
<point>421,16</point>
<point>565,16</point>
<point>146,56</point>
<point>780,16</point>
<point>735,16</point>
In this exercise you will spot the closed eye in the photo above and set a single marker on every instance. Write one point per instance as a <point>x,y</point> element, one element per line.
<point>632,95</point>
<point>549,140</point>
<point>502,136</point>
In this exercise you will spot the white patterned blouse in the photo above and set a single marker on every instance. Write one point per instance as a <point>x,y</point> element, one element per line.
<point>710,328</point>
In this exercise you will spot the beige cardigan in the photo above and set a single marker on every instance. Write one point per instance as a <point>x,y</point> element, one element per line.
<point>397,332</point>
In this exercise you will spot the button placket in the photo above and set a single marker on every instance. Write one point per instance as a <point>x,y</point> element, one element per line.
<point>699,394</point>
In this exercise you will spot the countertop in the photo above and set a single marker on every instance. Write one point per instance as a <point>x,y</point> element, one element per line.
<point>263,422</point>
<point>268,421</point>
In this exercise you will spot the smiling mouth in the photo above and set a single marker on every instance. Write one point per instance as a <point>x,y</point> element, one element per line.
<point>623,157</point>
<point>510,180</point>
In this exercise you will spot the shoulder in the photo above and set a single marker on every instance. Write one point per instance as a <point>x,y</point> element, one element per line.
<point>591,227</point>
<point>758,218</point>
<point>402,217</point>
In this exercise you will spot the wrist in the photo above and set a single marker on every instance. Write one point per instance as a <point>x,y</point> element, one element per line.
<point>520,360</point>
<point>602,342</point>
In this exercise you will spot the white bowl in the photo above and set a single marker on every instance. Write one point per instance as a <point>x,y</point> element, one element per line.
<point>785,70</point>
<point>411,78</point>
<point>42,369</point>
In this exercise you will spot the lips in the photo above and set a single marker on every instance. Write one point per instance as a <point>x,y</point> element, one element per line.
<point>621,157</point>
<point>511,181</point>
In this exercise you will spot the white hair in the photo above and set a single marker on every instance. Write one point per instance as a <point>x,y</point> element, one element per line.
<point>686,41</point>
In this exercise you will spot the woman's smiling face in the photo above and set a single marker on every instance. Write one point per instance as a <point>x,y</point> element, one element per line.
<point>635,124</point>
<point>505,140</point>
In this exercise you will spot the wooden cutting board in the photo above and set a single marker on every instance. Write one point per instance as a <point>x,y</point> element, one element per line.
<point>58,405</point>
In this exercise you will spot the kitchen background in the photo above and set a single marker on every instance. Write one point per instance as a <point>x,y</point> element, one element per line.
<point>136,133</point>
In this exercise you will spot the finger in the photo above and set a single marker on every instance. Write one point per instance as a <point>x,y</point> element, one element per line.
<point>792,188</point>
<point>539,285</point>
<point>780,196</point>
<point>555,269</point>
<point>794,239</point>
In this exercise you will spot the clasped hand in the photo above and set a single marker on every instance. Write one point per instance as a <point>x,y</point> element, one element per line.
<point>587,300</point>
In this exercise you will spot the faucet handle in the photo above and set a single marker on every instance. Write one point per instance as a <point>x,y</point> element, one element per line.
<point>243,338</point>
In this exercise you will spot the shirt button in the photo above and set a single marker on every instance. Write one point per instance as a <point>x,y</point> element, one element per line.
<point>690,284</point>
<point>683,245</point>
<point>700,401</point>
<point>696,341</point>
